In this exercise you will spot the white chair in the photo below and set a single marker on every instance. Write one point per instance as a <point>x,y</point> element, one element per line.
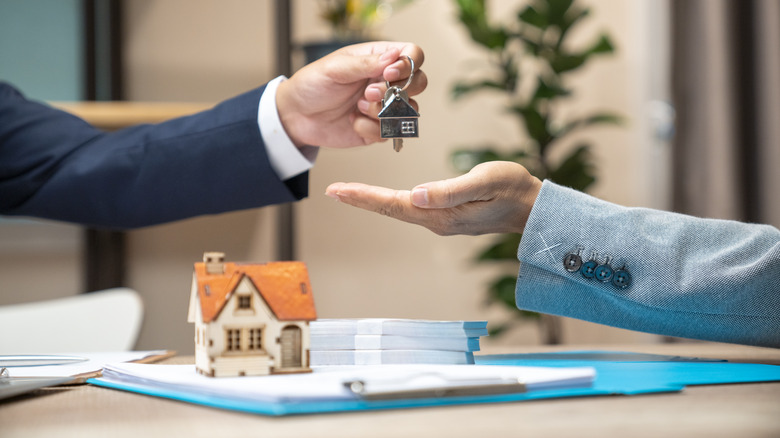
<point>108,320</point>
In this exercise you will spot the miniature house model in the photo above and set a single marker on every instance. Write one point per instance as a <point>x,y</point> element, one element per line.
<point>398,118</point>
<point>250,319</point>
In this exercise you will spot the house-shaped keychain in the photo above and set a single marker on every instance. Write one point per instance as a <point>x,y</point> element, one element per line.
<point>250,318</point>
<point>398,119</point>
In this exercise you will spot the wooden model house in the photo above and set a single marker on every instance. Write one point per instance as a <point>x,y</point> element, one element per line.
<point>398,119</point>
<point>250,319</point>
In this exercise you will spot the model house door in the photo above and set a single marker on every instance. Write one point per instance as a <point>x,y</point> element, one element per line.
<point>291,347</point>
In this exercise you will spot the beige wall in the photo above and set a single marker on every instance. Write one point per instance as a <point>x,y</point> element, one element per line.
<point>365,265</point>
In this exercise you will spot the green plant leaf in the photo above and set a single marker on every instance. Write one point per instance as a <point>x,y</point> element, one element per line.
<point>510,72</point>
<point>562,63</point>
<point>602,45</point>
<point>462,88</point>
<point>465,159</point>
<point>526,314</point>
<point>572,17</point>
<point>498,329</point>
<point>531,16</point>
<point>557,10</point>
<point>576,170</point>
<point>548,91</point>
<point>473,14</point>
<point>535,123</point>
<point>532,46</point>
<point>503,290</point>
<point>519,155</point>
<point>596,119</point>
<point>505,248</point>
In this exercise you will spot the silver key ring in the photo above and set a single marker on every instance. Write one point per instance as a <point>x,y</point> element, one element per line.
<point>411,75</point>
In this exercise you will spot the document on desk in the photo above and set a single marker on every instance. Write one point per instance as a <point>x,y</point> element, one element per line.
<point>90,365</point>
<point>332,389</point>
<point>26,373</point>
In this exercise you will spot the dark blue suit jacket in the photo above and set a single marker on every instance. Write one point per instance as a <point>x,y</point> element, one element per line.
<point>54,165</point>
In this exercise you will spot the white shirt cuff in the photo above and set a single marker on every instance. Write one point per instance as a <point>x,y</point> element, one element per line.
<point>286,159</point>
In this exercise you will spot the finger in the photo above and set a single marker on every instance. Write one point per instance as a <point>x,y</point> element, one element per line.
<point>397,205</point>
<point>449,193</point>
<point>379,47</point>
<point>419,83</point>
<point>376,91</point>
<point>388,202</point>
<point>415,52</point>
<point>367,128</point>
<point>348,68</point>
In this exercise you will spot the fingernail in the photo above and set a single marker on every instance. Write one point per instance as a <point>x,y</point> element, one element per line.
<point>332,192</point>
<point>392,74</point>
<point>373,93</point>
<point>363,105</point>
<point>420,196</point>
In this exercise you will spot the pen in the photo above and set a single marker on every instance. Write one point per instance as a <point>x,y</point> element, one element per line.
<point>30,360</point>
<point>358,388</point>
<point>434,384</point>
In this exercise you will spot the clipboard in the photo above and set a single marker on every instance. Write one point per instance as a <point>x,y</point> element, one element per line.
<point>617,373</point>
<point>336,389</point>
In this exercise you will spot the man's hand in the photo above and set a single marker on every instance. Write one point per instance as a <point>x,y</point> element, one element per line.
<point>494,197</point>
<point>333,102</point>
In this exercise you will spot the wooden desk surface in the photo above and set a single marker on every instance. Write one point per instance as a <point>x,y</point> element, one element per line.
<point>116,115</point>
<point>742,410</point>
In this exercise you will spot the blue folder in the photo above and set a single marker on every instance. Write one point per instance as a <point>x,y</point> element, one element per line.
<point>618,373</point>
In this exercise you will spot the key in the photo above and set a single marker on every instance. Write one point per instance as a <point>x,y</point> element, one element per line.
<point>398,144</point>
<point>398,119</point>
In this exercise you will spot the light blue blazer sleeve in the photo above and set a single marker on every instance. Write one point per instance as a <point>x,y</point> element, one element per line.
<point>689,277</point>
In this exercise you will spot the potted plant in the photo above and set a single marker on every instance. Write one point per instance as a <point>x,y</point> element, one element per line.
<point>351,21</point>
<point>536,40</point>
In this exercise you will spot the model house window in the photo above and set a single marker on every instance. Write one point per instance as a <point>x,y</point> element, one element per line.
<point>255,339</point>
<point>233,340</point>
<point>244,302</point>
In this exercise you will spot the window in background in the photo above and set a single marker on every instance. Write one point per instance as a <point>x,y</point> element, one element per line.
<point>41,51</point>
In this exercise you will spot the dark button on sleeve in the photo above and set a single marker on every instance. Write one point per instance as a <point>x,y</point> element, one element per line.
<point>622,278</point>
<point>572,262</point>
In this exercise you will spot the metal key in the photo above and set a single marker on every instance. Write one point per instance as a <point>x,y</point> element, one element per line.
<point>398,119</point>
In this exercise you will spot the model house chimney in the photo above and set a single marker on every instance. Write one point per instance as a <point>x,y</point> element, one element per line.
<point>215,262</point>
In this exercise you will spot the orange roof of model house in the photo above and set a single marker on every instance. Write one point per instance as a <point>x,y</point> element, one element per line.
<point>284,286</point>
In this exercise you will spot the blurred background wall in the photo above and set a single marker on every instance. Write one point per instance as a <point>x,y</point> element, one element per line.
<point>361,264</point>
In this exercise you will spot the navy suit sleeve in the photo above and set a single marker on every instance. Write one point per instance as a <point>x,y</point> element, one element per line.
<point>54,165</point>
<point>696,278</point>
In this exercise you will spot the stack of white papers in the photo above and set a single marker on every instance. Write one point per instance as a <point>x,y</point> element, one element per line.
<point>394,341</point>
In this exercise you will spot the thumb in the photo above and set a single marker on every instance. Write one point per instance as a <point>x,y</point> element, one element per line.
<point>447,193</point>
